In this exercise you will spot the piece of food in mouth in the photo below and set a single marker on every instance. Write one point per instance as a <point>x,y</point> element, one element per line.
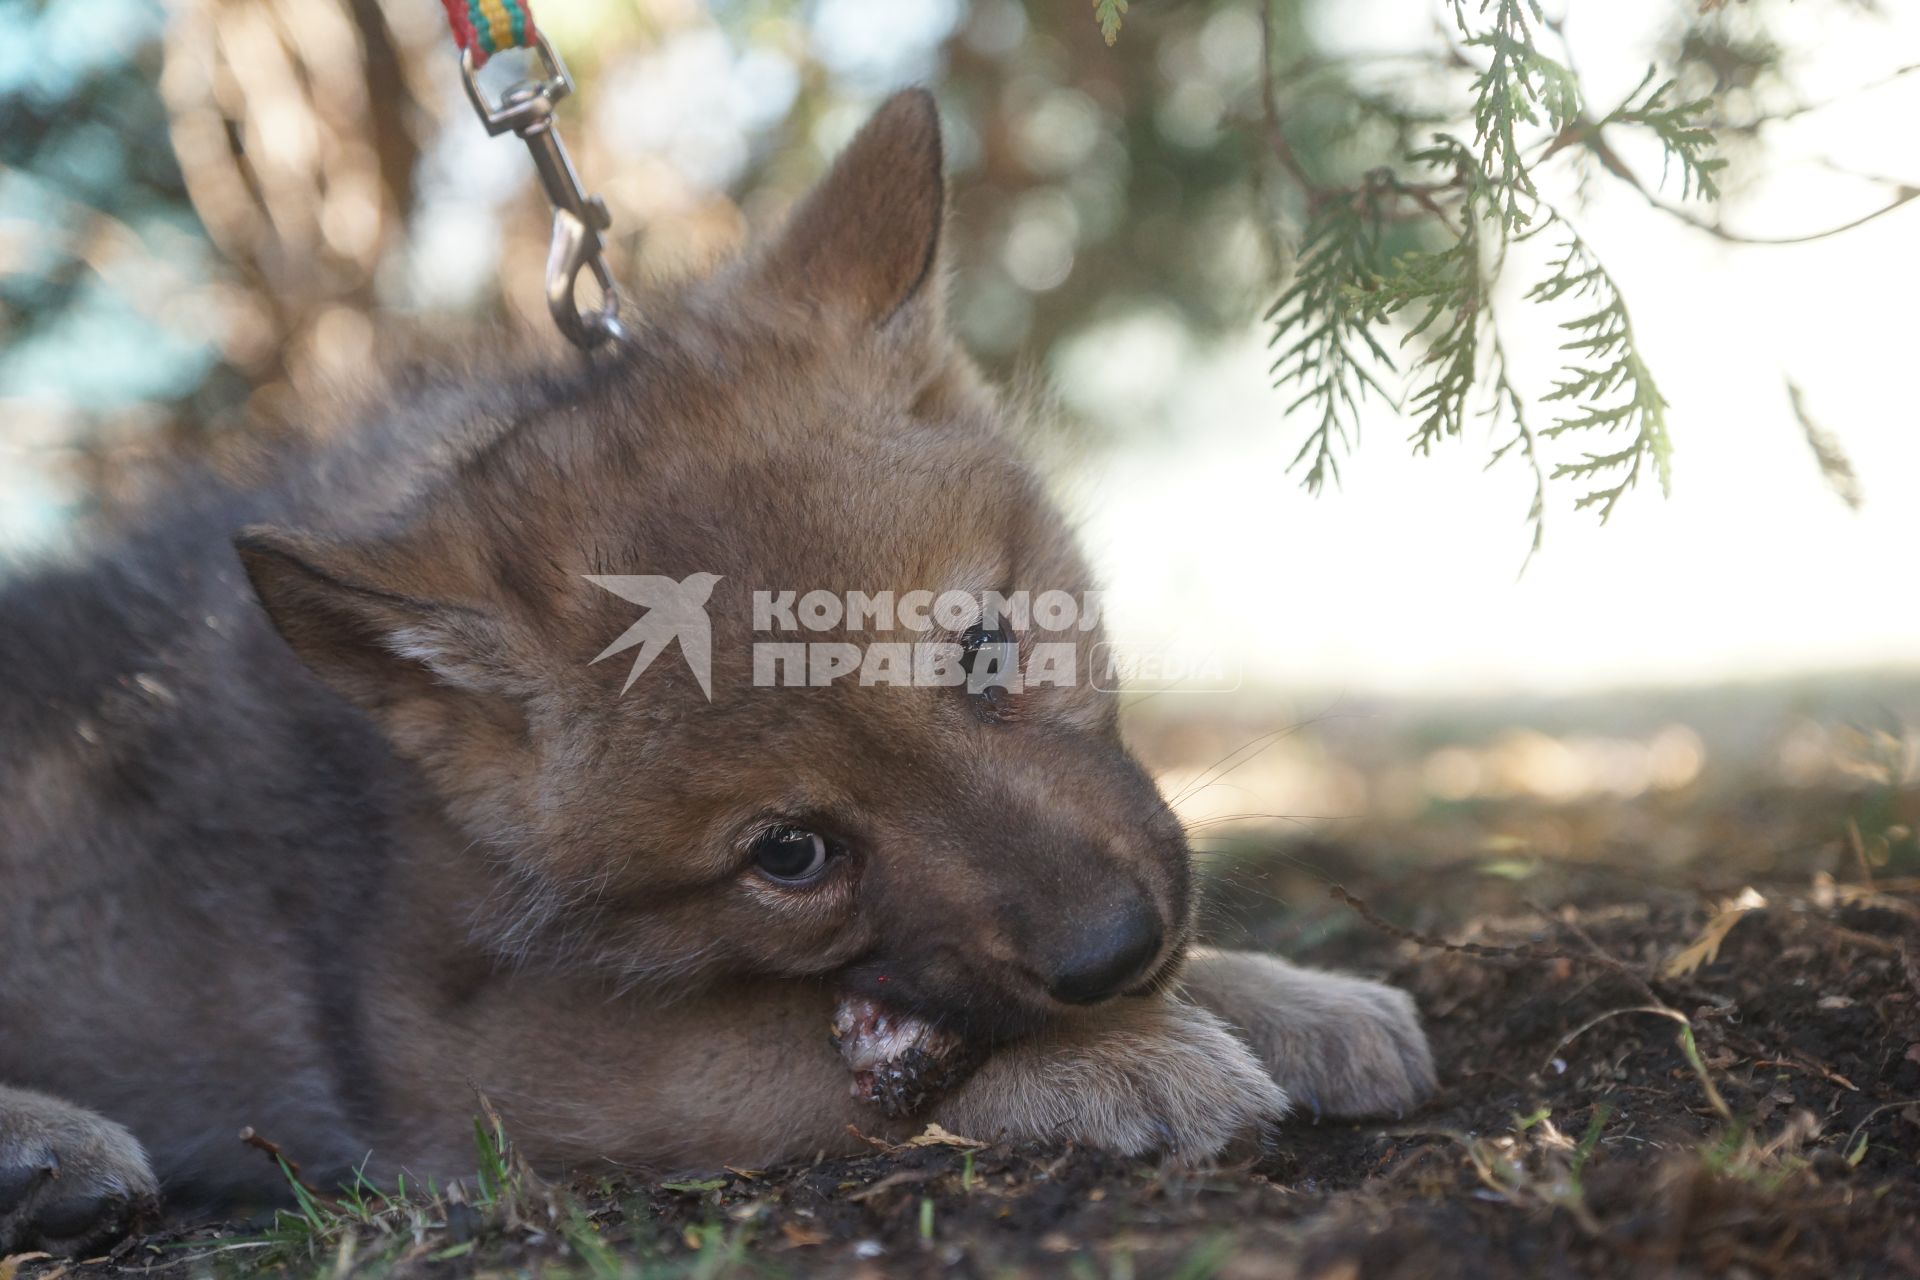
<point>899,1062</point>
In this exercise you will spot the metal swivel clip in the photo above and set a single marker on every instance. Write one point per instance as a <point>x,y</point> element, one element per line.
<point>578,218</point>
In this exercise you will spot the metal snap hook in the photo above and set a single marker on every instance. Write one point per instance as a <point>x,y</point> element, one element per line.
<point>578,218</point>
<point>576,247</point>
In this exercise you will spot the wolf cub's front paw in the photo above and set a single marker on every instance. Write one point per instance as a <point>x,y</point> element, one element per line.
<point>1340,1046</point>
<point>69,1180</point>
<point>1138,1077</point>
<point>1365,1055</point>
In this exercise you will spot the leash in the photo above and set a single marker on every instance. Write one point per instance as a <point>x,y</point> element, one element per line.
<point>483,28</point>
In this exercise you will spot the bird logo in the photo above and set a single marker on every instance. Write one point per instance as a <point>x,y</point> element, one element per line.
<point>675,611</point>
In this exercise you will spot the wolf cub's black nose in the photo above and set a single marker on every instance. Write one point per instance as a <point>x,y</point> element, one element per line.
<point>1109,956</point>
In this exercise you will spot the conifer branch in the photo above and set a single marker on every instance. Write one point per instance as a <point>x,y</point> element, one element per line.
<point>1329,313</point>
<point>1451,210</point>
<point>1472,195</point>
<point>1520,86</point>
<point>1685,143</point>
<point>1605,386</point>
<point>1507,400</point>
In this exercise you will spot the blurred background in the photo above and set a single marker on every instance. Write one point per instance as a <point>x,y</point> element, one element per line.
<point>216,215</point>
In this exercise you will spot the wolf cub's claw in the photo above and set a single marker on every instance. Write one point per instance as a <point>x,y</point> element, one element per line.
<point>69,1180</point>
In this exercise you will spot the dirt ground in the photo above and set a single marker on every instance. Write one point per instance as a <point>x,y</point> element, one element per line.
<point>1679,1034</point>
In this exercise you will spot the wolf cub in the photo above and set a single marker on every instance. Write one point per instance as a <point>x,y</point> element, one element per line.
<point>532,740</point>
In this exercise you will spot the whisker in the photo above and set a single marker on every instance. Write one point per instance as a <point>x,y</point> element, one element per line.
<point>1295,819</point>
<point>1221,767</point>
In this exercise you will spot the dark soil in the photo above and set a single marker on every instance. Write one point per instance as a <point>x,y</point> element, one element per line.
<point>1572,1134</point>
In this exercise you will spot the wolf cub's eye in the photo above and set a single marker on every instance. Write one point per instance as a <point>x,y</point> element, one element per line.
<point>988,655</point>
<point>791,855</point>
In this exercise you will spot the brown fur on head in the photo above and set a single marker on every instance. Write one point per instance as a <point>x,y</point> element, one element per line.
<point>801,421</point>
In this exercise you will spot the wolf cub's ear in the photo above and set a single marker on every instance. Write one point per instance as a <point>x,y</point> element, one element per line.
<point>867,239</point>
<point>352,615</point>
